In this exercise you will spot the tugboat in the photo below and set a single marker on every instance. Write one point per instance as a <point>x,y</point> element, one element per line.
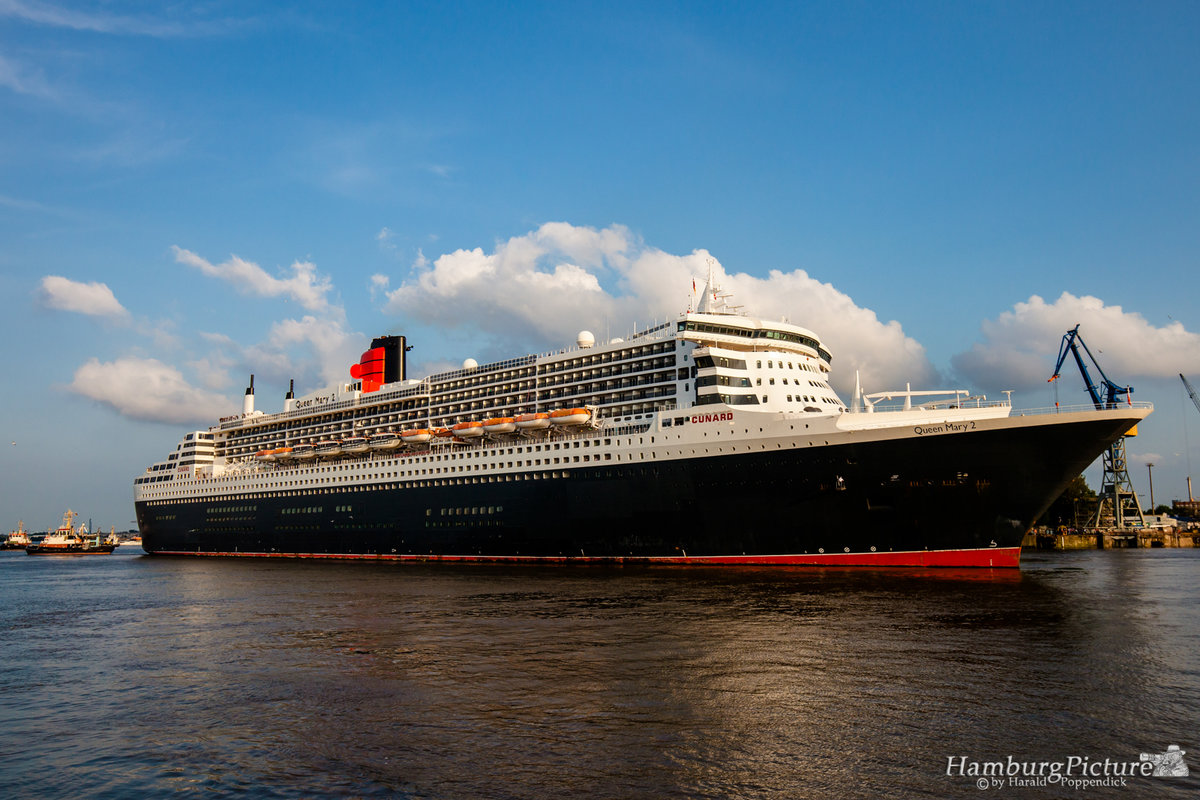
<point>17,540</point>
<point>67,540</point>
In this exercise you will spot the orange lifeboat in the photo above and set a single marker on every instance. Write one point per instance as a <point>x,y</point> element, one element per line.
<point>570,416</point>
<point>443,433</point>
<point>283,454</point>
<point>265,455</point>
<point>416,436</point>
<point>468,430</point>
<point>499,425</point>
<point>533,422</point>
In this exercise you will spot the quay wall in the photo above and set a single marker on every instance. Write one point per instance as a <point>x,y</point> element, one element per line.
<point>1109,539</point>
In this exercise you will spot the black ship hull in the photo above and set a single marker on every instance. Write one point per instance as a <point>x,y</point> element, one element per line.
<point>964,499</point>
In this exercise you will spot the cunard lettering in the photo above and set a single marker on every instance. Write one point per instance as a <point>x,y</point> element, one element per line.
<point>721,417</point>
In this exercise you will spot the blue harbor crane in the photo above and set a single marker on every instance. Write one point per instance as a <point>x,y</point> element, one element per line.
<point>1195,400</point>
<point>1191,392</point>
<point>1118,506</point>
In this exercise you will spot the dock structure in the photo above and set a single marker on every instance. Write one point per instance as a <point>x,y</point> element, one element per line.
<point>1183,535</point>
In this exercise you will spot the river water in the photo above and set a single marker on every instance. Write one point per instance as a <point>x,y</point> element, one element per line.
<point>137,676</point>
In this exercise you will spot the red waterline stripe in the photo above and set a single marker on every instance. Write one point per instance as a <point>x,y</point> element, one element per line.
<point>989,558</point>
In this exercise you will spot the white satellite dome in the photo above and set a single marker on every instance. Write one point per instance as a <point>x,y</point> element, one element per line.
<point>585,339</point>
<point>470,363</point>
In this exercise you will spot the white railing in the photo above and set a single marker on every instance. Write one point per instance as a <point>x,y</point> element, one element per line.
<point>1065,409</point>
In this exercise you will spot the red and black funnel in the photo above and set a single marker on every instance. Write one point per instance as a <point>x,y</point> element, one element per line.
<point>383,363</point>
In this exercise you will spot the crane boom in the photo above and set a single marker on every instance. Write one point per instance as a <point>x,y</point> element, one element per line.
<point>1118,506</point>
<point>1072,342</point>
<point>1191,391</point>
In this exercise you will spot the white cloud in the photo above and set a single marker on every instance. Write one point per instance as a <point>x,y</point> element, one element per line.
<point>386,240</point>
<point>314,351</point>
<point>53,16</point>
<point>328,348</point>
<point>23,80</point>
<point>379,285</point>
<point>537,290</point>
<point>304,284</point>
<point>95,299</point>
<point>148,389</point>
<point>1019,347</point>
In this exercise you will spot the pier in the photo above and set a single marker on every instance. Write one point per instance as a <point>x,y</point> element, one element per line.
<point>1182,535</point>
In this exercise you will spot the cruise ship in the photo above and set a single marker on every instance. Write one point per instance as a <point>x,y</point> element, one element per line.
<point>714,438</point>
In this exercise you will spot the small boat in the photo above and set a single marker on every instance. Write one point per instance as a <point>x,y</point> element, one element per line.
<point>384,440</point>
<point>570,416</point>
<point>530,422</point>
<point>265,455</point>
<point>304,452</point>
<point>353,445</point>
<point>17,540</point>
<point>283,454</point>
<point>67,541</point>
<point>329,448</point>
<point>443,433</point>
<point>497,425</point>
<point>468,430</point>
<point>416,436</point>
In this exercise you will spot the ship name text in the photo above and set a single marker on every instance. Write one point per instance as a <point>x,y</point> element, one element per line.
<point>945,427</point>
<point>721,417</point>
<point>316,401</point>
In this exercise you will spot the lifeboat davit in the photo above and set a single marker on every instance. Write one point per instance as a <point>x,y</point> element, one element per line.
<point>533,422</point>
<point>570,416</point>
<point>416,436</point>
<point>355,444</point>
<point>499,425</point>
<point>304,452</point>
<point>265,455</point>
<point>468,430</point>
<point>330,448</point>
<point>384,440</point>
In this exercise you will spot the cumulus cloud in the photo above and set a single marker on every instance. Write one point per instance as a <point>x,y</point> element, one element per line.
<point>538,289</point>
<point>311,348</point>
<point>95,299</point>
<point>1019,347</point>
<point>148,389</point>
<point>303,285</point>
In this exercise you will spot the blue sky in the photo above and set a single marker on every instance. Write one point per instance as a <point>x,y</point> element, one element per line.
<point>191,194</point>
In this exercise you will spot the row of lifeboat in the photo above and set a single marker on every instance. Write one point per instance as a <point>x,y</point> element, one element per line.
<point>498,426</point>
<point>387,440</point>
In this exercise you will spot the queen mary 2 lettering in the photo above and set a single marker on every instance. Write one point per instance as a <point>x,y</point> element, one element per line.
<point>715,438</point>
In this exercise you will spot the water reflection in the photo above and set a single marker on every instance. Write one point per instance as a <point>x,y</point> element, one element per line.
<point>488,681</point>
